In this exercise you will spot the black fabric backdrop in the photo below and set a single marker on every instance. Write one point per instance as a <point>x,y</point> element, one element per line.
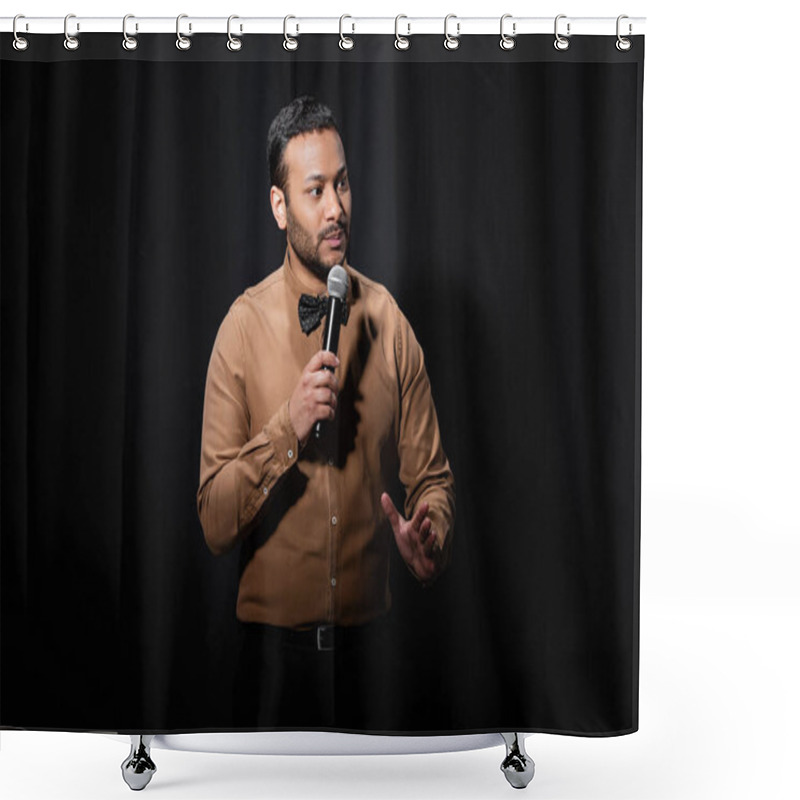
<point>496,194</point>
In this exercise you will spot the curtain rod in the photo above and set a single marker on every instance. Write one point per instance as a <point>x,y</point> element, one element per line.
<point>297,25</point>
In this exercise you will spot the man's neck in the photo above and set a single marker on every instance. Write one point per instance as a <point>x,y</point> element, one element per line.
<point>316,282</point>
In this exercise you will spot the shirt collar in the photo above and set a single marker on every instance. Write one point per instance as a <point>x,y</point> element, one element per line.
<point>301,283</point>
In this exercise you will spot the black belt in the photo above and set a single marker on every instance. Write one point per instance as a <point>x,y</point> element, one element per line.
<point>322,636</point>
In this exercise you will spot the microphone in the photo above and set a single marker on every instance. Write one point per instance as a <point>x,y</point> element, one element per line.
<point>337,292</point>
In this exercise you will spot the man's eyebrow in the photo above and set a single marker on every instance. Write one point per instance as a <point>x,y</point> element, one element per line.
<point>318,177</point>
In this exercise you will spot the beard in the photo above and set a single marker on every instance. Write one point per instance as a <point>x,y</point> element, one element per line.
<point>307,245</point>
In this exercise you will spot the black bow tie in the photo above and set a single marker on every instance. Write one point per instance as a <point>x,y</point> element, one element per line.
<point>312,309</point>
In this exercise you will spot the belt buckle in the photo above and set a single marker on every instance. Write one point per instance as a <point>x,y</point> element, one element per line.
<point>324,637</point>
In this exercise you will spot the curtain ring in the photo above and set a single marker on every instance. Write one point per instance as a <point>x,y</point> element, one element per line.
<point>288,42</point>
<point>507,42</point>
<point>561,43</point>
<point>622,43</point>
<point>129,42</point>
<point>182,43</point>
<point>233,43</point>
<point>70,42</point>
<point>401,42</point>
<point>346,42</point>
<point>20,42</point>
<point>451,42</point>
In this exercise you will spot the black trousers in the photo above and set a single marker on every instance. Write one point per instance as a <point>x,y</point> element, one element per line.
<point>284,681</point>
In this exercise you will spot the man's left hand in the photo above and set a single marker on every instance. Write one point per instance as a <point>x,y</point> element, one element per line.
<point>416,539</point>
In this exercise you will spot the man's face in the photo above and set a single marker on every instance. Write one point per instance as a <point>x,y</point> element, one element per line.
<point>317,200</point>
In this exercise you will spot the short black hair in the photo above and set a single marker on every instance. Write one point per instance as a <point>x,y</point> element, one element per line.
<point>303,115</point>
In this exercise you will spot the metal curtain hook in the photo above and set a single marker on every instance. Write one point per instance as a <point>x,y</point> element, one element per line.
<point>622,43</point>
<point>288,42</point>
<point>182,43</point>
<point>507,42</point>
<point>561,43</point>
<point>20,42</point>
<point>70,42</point>
<point>233,44</point>
<point>401,42</point>
<point>129,42</point>
<point>346,42</point>
<point>451,42</point>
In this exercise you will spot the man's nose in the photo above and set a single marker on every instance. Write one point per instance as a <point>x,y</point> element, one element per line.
<point>333,204</point>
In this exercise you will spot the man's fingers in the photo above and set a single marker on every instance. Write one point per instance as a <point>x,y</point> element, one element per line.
<point>322,358</point>
<point>324,378</point>
<point>390,511</point>
<point>419,515</point>
<point>315,362</point>
<point>426,536</point>
<point>425,529</point>
<point>431,547</point>
<point>325,397</point>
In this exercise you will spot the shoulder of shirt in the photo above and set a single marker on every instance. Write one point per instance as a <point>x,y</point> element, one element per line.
<point>260,292</point>
<point>381,306</point>
<point>375,295</point>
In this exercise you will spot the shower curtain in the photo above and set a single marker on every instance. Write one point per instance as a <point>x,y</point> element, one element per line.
<point>493,239</point>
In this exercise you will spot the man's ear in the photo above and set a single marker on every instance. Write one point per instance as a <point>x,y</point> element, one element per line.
<point>277,199</point>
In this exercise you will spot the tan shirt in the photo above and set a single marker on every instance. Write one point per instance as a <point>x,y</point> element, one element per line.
<point>316,540</point>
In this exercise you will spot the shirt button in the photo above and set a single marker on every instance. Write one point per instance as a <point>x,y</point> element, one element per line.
<point>266,491</point>
<point>333,581</point>
<point>291,454</point>
<point>333,520</point>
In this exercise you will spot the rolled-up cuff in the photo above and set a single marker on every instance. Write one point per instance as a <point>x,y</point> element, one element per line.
<point>284,437</point>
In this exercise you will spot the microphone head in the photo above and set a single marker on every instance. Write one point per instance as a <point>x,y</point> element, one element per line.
<point>337,282</point>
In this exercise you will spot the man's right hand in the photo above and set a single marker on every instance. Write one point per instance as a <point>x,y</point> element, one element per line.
<point>314,397</point>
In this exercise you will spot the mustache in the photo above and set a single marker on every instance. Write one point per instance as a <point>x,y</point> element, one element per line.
<point>343,228</point>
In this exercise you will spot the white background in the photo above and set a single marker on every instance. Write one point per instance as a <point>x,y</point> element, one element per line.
<point>720,619</point>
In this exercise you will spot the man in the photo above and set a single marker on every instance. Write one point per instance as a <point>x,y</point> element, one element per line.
<point>310,513</point>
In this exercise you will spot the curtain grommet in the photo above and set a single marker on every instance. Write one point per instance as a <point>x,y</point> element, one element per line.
<point>289,43</point>
<point>451,42</point>
<point>70,42</point>
<point>401,42</point>
<point>346,42</point>
<point>561,42</point>
<point>623,44</point>
<point>507,42</point>
<point>182,42</point>
<point>129,42</point>
<point>20,43</point>
<point>234,44</point>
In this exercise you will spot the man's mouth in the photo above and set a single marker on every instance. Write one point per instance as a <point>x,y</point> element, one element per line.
<point>335,239</point>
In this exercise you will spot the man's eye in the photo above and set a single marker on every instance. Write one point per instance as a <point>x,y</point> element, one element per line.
<point>343,183</point>
<point>316,191</point>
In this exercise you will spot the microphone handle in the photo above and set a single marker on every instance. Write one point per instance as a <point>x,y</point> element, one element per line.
<point>333,323</point>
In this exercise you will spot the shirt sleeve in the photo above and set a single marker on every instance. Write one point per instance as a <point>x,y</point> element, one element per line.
<point>424,469</point>
<point>237,473</point>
